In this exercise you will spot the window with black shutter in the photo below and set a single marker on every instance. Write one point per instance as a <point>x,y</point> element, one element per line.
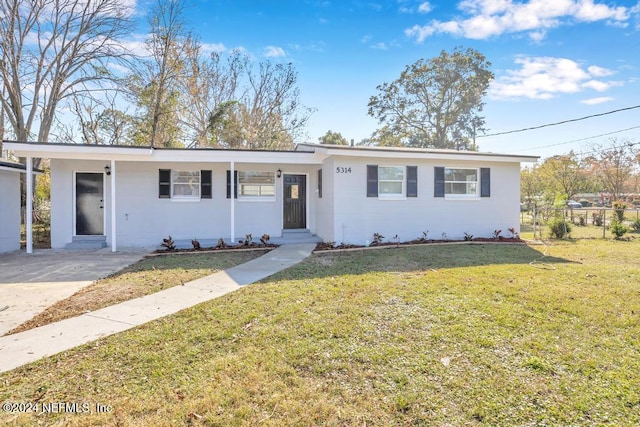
<point>320,183</point>
<point>205,184</point>
<point>235,184</point>
<point>372,181</point>
<point>485,182</point>
<point>164,184</point>
<point>412,181</point>
<point>438,190</point>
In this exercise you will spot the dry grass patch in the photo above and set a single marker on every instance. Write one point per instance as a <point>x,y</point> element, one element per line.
<point>442,335</point>
<point>149,275</point>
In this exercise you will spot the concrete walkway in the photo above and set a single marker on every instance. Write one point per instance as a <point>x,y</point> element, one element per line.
<point>25,347</point>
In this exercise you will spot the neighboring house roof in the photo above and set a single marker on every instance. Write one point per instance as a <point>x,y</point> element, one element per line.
<point>303,153</point>
<point>15,167</point>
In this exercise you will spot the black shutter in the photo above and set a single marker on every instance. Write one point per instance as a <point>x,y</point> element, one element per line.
<point>205,184</point>
<point>412,181</point>
<point>438,190</point>
<point>235,184</point>
<point>485,182</point>
<point>320,183</point>
<point>164,183</point>
<point>372,181</point>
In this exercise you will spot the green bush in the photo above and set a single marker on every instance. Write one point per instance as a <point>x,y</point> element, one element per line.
<point>597,218</point>
<point>618,229</point>
<point>559,228</point>
<point>619,207</point>
<point>635,226</point>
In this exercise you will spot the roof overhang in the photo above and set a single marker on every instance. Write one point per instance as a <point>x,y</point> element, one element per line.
<point>303,154</point>
<point>414,153</point>
<point>149,154</point>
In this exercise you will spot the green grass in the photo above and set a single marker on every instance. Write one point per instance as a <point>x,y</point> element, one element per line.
<point>430,335</point>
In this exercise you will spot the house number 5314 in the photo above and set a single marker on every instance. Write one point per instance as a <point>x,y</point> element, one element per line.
<point>341,169</point>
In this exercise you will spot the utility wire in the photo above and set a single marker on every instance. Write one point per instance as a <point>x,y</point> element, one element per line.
<point>559,123</point>
<point>577,140</point>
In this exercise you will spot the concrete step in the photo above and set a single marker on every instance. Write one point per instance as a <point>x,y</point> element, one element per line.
<point>87,242</point>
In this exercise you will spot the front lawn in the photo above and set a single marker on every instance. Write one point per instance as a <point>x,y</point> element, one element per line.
<point>423,335</point>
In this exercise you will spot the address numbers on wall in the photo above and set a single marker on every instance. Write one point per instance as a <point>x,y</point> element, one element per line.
<point>340,169</point>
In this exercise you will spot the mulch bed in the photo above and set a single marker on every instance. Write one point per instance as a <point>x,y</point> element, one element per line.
<point>329,247</point>
<point>242,246</point>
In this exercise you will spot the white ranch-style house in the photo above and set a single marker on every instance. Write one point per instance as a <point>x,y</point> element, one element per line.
<point>136,196</point>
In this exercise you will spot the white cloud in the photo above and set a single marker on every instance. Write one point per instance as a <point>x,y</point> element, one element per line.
<point>546,77</point>
<point>425,7</point>
<point>380,46</point>
<point>483,19</point>
<point>595,101</point>
<point>213,47</point>
<point>412,6</point>
<point>274,52</point>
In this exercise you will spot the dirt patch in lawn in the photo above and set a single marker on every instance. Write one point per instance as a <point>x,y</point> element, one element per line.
<point>149,275</point>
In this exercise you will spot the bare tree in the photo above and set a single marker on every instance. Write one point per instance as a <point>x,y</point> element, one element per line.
<point>51,49</point>
<point>155,86</point>
<point>207,91</point>
<point>100,121</point>
<point>267,114</point>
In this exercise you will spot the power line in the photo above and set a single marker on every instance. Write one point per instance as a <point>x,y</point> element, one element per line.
<point>577,140</point>
<point>559,123</point>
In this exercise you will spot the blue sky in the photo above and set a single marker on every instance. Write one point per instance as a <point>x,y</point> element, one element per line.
<point>553,59</point>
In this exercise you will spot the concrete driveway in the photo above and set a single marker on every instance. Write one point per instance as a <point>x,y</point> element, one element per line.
<point>31,283</point>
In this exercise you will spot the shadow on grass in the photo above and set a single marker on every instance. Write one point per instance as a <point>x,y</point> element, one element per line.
<point>414,258</point>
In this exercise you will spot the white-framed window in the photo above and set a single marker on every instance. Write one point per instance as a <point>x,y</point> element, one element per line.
<point>256,184</point>
<point>391,181</point>
<point>185,184</point>
<point>461,182</point>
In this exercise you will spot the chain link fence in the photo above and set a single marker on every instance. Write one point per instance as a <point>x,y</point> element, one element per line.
<point>579,223</point>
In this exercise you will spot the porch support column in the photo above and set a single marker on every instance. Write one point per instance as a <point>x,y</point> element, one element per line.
<point>233,204</point>
<point>28,218</point>
<point>113,206</point>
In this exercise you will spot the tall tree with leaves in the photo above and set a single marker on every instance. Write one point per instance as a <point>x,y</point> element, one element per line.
<point>564,175</point>
<point>613,166</point>
<point>334,138</point>
<point>436,103</point>
<point>52,49</point>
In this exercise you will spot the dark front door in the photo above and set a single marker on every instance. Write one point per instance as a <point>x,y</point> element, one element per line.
<point>89,204</point>
<point>295,201</point>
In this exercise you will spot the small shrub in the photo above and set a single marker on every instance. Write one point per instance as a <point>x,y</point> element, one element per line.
<point>468,237</point>
<point>168,244</point>
<point>635,226</point>
<point>496,234</point>
<point>196,245</point>
<point>221,244</point>
<point>559,228</point>
<point>618,229</point>
<point>619,206</point>
<point>581,220</point>
<point>514,234</point>
<point>377,239</point>
<point>265,239</point>
<point>597,218</point>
